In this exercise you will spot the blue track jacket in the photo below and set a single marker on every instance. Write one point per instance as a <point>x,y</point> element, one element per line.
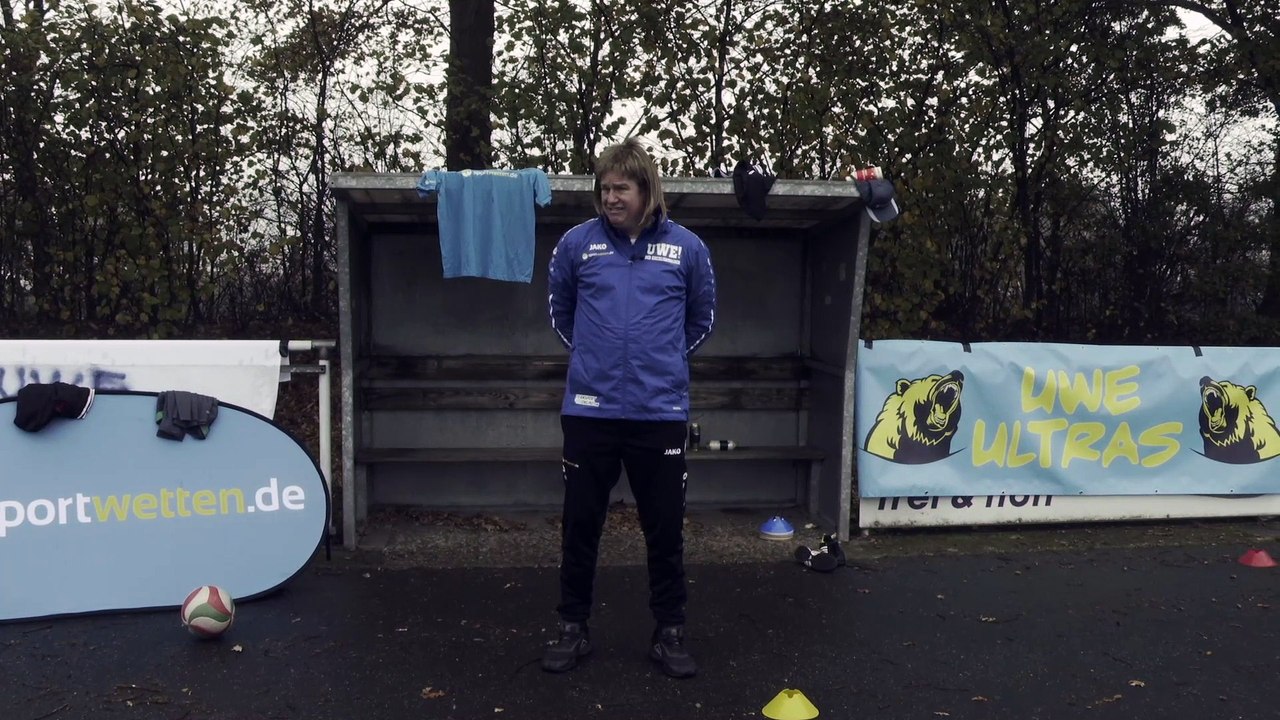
<point>631,315</point>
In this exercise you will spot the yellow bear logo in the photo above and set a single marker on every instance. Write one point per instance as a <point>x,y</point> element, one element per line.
<point>1234,423</point>
<point>918,420</point>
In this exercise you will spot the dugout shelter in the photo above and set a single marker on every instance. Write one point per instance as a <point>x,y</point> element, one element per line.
<point>451,388</point>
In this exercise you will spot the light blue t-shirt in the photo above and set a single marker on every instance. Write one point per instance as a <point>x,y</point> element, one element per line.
<point>486,220</point>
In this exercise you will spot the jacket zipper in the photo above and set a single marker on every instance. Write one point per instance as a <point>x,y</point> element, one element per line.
<point>626,342</point>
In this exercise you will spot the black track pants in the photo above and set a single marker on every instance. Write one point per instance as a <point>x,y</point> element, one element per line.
<point>595,451</point>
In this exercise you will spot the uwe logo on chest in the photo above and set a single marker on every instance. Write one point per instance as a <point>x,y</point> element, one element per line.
<point>664,252</point>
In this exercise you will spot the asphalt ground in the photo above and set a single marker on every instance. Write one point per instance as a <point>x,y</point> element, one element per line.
<point>1061,629</point>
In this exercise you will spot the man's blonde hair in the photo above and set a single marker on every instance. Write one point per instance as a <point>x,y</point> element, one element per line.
<point>630,160</point>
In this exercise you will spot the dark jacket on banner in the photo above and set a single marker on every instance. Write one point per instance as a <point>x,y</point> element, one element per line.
<point>40,403</point>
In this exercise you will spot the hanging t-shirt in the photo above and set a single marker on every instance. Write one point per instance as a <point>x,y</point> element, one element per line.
<point>486,220</point>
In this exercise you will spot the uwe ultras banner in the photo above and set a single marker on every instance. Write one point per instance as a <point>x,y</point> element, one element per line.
<point>101,514</point>
<point>946,419</point>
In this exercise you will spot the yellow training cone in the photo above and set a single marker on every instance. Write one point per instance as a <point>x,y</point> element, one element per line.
<point>790,705</point>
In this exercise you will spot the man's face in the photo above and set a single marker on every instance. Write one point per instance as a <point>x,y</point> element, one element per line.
<point>624,202</point>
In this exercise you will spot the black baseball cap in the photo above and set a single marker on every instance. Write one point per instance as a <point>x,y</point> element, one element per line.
<point>878,197</point>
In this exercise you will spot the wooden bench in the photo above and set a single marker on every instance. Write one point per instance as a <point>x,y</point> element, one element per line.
<point>536,382</point>
<point>810,456</point>
<point>552,454</point>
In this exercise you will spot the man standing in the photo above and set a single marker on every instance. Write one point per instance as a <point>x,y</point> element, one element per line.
<point>632,295</point>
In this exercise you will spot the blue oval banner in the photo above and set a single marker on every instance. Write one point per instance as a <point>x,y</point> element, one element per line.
<point>100,513</point>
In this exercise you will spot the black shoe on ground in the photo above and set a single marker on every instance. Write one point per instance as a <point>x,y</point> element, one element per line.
<point>667,648</point>
<point>819,560</point>
<point>832,546</point>
<point>562,655</point>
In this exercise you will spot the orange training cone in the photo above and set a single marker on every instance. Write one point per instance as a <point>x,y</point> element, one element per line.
<point>790,705</point>
<point>1257,558</point>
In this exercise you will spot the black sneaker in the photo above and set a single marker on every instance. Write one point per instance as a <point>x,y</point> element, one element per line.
<point>562,655</point>
<point>819,560</point>
<point>667,647</point>
<point>832,546</point>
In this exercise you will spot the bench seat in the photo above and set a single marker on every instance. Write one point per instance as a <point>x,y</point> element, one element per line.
<point>435,368</point>
<point>425,385</point>
<point>540,454</point>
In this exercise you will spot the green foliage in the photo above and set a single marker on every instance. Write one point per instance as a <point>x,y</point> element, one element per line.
<point>560,71</point>
<point>117,155</point>
<point>1071,170</point>
<point>329,88</point>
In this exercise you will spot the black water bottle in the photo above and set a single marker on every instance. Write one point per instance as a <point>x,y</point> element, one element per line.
<point>695,436</point>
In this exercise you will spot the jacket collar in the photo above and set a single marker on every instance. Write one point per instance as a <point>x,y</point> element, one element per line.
<point>652,231</point>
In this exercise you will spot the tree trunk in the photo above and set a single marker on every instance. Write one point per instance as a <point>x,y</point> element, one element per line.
<point>318,221</point>
<point>468,130</point>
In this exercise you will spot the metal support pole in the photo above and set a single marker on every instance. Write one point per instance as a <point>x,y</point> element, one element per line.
<point>326,453</point>
<point>324,413</point>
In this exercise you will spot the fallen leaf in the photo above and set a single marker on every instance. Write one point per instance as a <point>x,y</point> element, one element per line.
<point>940,713</point>
<point>809,526</point>
<point>404,629</point>
<point>497,710</point>
<point>236,648</point>
<point>978,698</point>
<point>986,619</point>
<point>430,693</point>
<point>1137,683</point>
<point>1104,700</point>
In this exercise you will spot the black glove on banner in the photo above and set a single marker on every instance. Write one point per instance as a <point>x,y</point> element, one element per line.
<point>179,413</point>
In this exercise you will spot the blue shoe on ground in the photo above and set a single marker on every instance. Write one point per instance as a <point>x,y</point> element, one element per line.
<point>776,528</point>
